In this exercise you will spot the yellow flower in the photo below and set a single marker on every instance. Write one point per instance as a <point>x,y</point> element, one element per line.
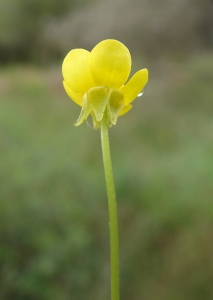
<point>96,81</point>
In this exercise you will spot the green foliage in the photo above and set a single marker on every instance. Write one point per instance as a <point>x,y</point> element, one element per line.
<point>53,207</point>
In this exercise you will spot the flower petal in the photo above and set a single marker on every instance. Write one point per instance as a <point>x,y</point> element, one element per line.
<point>134,86</point>
<point>110,64</point>
<point>75,70</point>
<point>75,97</point>
<point>125,109</point>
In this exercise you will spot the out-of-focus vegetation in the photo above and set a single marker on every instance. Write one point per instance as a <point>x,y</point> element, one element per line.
<point>53,207</point>
<point>53,214</point>
<point>44,30</point>
<point>22,23</point>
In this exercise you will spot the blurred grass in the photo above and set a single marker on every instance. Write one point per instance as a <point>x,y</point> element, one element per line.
<point>53,209</point>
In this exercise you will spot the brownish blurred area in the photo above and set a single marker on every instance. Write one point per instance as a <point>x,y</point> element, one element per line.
<point>47,29</point>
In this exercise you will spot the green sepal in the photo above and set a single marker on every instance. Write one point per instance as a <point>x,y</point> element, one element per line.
<point>100,100</point>
<point>96,124</point>
<point>85,111</point>
<point>115,104</point>
<point>98,97</point>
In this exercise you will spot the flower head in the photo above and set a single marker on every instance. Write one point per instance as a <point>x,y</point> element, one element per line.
<point>96,81</point>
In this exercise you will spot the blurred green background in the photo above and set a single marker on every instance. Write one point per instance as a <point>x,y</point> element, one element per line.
<point>54,240</point>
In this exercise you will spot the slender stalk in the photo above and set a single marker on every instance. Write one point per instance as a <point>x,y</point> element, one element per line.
<point>113,219</point>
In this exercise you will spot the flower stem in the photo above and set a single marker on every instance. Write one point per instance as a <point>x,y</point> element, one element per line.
<point>112,206</point>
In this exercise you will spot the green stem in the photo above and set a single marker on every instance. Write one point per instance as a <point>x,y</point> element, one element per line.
<point>113,219</point>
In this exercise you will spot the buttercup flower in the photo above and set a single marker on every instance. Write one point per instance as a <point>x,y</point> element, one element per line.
<point>96,81</point>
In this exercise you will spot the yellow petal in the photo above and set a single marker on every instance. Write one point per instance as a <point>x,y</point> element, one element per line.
<point>75,97</point>
<point>75,70</point>
<point>110,64</point>
<point>125,109</point>
<point>134,86</point>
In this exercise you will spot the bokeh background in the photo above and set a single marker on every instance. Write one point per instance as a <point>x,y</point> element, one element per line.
<point>54,241</point>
